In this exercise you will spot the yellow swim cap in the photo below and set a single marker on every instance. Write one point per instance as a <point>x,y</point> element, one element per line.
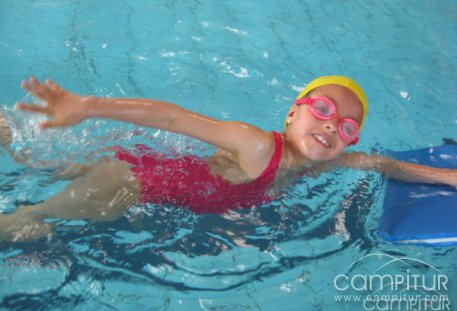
<point>340,80</point>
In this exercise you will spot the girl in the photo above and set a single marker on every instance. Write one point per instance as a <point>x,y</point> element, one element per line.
<point>249,167</point>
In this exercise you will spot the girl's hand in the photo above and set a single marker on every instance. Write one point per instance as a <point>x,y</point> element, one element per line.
<point>64,108</point>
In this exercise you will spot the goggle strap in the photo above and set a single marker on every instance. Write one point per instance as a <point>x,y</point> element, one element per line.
<point>354,142</point>
<point>301,101</point>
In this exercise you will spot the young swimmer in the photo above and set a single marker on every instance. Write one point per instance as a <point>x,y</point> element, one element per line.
<point>248,168</point>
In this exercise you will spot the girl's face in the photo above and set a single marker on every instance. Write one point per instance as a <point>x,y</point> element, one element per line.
<point>318,140</point>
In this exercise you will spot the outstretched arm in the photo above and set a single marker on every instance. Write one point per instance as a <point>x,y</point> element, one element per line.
<point>404,171</point>
<point>66,109</point>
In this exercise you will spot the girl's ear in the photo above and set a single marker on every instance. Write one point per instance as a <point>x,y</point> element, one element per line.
<point>290,116</point>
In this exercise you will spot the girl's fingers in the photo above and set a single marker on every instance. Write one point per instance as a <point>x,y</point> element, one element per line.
<point>49,124</point>
<point>32,108</point>
<point>53,86</point>
<point>36,88</point>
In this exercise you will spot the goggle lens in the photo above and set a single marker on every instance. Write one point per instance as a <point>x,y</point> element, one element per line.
<point>323,108</point>
<point>349,130</point>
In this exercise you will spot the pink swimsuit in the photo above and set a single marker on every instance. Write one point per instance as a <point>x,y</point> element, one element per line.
<point>186,181</point>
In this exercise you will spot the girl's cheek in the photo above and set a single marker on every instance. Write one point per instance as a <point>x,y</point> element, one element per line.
<point>299,130</point>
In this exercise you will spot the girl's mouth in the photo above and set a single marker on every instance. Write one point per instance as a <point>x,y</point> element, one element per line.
<point>322,140</point>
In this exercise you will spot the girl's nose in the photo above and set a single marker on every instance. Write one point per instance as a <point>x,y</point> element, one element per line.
<point>331,126</point>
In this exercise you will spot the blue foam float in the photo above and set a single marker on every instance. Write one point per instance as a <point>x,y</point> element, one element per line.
<point>421,214</point>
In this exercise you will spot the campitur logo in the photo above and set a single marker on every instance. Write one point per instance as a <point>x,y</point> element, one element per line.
<point>384,282</point>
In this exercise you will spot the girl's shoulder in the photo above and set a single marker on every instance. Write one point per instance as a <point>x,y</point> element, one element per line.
<point>259,149</point>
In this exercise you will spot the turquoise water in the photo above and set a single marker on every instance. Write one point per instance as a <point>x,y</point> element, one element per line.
<point>231,60</point>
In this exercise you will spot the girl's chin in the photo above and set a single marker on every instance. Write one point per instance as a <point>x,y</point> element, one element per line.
<point>317,153</point>
<point>317,157</point>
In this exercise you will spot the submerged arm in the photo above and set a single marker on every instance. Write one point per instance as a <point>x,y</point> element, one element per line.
<point>392,168</point>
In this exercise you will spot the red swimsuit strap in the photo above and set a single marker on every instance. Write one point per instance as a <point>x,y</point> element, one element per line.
<point>270,170</point>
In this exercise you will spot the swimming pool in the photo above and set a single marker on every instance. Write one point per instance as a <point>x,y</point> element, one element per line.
<point>232,60</point>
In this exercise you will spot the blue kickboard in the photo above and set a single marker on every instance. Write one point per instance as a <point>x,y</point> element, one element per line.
<point>421,214</point>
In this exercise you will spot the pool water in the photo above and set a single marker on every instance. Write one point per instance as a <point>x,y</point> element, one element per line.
<point>239,60</point>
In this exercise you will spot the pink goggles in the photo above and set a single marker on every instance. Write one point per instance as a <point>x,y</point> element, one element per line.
<point>322,108</point>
